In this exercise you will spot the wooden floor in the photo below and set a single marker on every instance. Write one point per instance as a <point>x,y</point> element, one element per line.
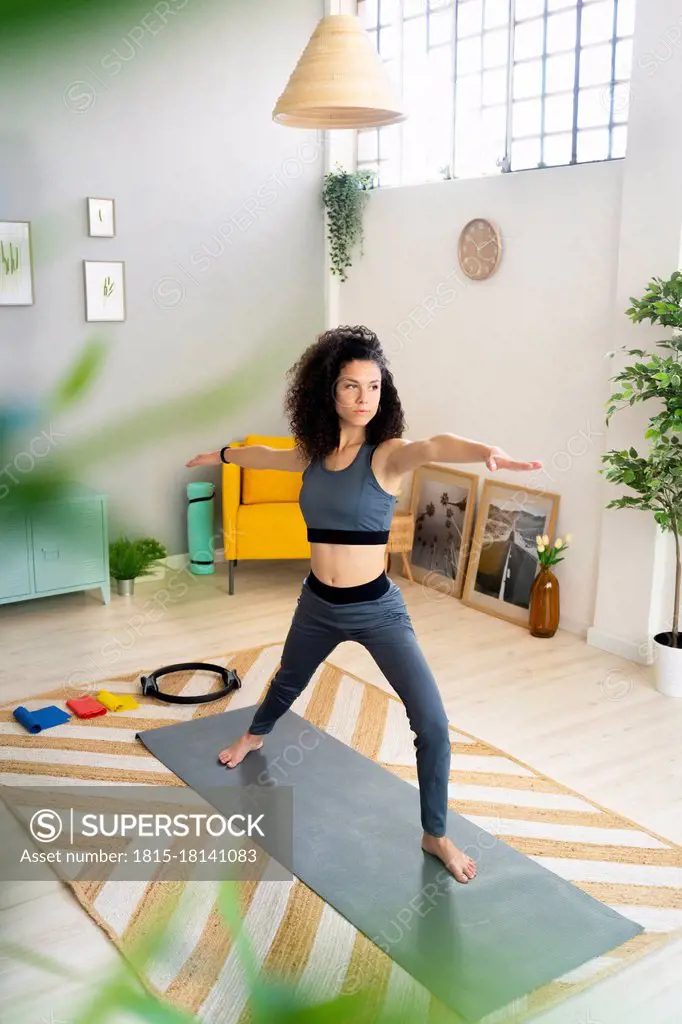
<point>588,719</point>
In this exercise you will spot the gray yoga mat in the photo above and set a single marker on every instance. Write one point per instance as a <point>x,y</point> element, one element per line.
<point>357,832</point>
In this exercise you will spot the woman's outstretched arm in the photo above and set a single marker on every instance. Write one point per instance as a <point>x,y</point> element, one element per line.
<point>408,455</point>
<point>255,456</point>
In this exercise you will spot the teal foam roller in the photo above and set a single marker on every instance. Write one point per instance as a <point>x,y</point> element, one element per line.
<point>200,496</point>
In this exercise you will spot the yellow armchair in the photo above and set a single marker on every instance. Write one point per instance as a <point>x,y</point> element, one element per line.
<point>261,514</point>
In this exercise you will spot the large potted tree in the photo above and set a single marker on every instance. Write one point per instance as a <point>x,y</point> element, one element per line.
<point>656,476</point>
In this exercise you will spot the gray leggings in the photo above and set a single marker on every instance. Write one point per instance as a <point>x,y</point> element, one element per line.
<point>384,627</point>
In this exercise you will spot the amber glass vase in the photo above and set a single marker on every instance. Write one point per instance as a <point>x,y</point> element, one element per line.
<point>544,603</point>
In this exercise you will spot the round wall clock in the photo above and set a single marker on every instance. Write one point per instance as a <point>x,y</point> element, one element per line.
<point>479,249</point>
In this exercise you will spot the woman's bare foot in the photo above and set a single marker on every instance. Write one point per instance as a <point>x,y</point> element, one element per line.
<point>461,866</point>
<point>237,751</point>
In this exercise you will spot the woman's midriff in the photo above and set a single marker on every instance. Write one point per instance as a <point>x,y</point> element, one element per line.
<point>347,565</point>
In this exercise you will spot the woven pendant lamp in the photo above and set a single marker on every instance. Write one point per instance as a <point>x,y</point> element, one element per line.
<point>339,81</point>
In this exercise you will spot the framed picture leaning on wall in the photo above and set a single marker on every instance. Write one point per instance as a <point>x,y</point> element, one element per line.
<point>443,504</point>
<point>504,560</point>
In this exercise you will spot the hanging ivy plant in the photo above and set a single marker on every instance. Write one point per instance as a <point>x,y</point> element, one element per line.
<point>344,197</point>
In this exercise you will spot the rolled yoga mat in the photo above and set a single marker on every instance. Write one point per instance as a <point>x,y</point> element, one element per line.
<point>200,527</point>
<point>357,832</point>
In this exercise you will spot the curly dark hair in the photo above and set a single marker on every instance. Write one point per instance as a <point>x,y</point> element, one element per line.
<point>309,402</point>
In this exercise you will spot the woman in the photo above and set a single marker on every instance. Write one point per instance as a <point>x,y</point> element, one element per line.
<point>347,420</point>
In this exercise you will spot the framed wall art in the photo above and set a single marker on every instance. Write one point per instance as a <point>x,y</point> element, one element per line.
<point>101,218</point>
<point>104,290</point>
<point>16,263</point>
<point>443,504</point>
<point>504,560</point>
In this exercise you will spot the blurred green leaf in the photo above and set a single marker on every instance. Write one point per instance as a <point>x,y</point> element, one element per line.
<point>276,1001</point>
<point>229,908</point>
<point>80,376</point>
<point>247,383</point>
<point>31,18</point>
<point>123,987</point>
<point>41,961</point>
<point>184,412</point>
<point>147,1008</point>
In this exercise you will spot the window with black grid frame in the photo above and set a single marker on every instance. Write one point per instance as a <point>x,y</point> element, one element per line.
<point>499,85</point>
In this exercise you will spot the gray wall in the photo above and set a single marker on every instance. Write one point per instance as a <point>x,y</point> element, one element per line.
<point>167,108</point>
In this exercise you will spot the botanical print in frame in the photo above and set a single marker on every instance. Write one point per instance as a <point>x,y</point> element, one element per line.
<point>442,503</point>
<point>104,290</point>
<point>101,218</point>
<point>504,559</point>
<point>16,272</point>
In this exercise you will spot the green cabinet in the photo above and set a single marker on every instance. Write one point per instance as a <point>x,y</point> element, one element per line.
<point>58,547</point>
<point>15,557</point>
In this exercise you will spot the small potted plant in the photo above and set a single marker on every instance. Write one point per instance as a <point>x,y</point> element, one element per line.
<point>129,559</point>
<point>544,591</point>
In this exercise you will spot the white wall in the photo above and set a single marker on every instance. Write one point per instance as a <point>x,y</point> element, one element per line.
<point>519,360</point>
<point>218,217</point>
<point>636,568</point>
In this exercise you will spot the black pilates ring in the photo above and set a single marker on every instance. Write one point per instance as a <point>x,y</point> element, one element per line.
<point>150,685</point>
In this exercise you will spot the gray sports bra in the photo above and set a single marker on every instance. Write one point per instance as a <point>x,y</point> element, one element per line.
<point>346,506</point>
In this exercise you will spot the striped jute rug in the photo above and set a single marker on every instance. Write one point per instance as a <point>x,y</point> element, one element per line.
<point>294,933</point>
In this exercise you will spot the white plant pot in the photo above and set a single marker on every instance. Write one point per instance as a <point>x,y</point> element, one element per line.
<point>667,666</point>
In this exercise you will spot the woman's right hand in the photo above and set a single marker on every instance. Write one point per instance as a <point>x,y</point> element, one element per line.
<point>207,459</point>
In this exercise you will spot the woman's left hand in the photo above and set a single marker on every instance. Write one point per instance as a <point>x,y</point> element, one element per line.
<point>498,459</point>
